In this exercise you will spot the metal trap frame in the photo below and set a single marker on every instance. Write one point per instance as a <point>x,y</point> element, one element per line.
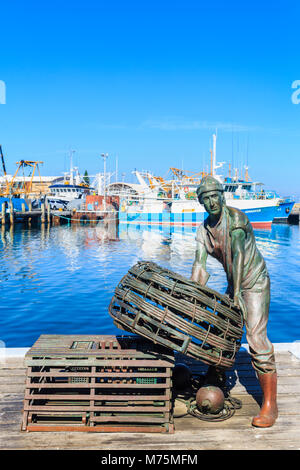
<point>98,384</point>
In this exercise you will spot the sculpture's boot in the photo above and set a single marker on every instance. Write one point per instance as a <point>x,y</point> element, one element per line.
<point>269,411</point>
<point>216,377</point>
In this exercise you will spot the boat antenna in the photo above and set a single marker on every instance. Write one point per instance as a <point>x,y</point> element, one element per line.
<point>232,149</point>
<point>116,168</point>
<point>71,166</point>
<point>104,156</point>
<point>247,151</point>
<point>214,153</point>
<point>247,165</point>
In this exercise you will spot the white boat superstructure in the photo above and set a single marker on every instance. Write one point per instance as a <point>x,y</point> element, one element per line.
<point>71,188</point>
<point>155,200</point>
<point>182,194</point>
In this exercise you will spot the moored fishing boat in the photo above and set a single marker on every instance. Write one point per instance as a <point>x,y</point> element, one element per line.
<point>64,193</point>
<point>175,202</point>
<point>68,191</point>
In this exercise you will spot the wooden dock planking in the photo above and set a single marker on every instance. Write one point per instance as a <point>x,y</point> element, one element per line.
<point>190,433</point>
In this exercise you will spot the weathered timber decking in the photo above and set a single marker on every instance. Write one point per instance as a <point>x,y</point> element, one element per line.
<point>190,433</point>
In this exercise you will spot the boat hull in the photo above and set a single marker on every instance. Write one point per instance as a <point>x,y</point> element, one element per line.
<point>283,211</point>
<point>16,202</point>
<point>260,217</point>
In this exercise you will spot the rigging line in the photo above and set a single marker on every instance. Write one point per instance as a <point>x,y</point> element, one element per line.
<point>247,151</point>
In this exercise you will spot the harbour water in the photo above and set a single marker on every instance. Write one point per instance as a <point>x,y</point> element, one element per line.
<point>60,280</point>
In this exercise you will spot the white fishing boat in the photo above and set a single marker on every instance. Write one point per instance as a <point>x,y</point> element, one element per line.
<point>157,201</point>
<point>68,191</point>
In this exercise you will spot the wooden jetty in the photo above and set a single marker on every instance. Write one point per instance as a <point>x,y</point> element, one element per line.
<point>55,217</point>
<point>93,211</point>
<point>294,217</point>
<point>190,433</point>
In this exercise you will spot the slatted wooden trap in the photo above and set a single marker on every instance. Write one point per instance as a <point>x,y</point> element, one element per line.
<point>98,384</point>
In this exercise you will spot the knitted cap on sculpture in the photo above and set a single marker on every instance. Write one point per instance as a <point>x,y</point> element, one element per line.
<point>208,183</point>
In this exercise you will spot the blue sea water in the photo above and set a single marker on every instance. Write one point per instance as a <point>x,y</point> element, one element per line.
<point>60,280</point>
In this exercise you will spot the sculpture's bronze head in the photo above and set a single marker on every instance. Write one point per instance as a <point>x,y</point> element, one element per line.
<point>210,194</point>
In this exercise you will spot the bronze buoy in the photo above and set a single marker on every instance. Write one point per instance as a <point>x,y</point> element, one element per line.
<point>181,376</point>
<point>210,399</point>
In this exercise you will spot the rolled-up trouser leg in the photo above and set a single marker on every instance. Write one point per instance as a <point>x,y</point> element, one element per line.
<point>257,301</point>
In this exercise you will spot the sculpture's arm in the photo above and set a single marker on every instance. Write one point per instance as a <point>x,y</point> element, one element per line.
<point>199,273</point>
<point>238,255</point>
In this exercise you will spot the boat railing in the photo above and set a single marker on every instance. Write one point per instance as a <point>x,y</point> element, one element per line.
<point>251,195</point>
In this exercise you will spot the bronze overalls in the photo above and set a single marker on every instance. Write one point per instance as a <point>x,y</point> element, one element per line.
<point>255,286</point>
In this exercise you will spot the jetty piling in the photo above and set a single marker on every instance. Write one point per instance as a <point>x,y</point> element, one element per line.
<point>11,213</point>
<point>30,210</point>
<point>43,213</point>
<point>3,214</point>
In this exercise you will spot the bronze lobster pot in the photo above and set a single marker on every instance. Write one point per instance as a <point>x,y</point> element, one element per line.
<point>177,313</point>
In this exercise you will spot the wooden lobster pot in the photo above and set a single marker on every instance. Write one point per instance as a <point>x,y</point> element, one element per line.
<point>97,384</point>
<point>177,313</point>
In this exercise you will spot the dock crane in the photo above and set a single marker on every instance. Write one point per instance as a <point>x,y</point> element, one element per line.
<point>3,185</point>
<point>26,187</point>
<point>2,159</point>
<point>193,178</point>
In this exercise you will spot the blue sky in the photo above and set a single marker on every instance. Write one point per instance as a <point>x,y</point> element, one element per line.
<point>149,81</point>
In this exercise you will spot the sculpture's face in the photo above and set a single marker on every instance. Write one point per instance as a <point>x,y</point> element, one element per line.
<point>213,202</point>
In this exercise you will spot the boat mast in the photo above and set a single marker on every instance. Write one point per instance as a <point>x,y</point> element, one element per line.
<point>71,167</point>
<point>104,156</point>
<point>214,154</point>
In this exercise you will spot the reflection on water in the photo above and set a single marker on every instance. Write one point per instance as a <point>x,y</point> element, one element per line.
<point>61,279</point>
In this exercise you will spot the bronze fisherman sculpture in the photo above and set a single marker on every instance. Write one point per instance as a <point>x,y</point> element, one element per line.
<point>227,235</point>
